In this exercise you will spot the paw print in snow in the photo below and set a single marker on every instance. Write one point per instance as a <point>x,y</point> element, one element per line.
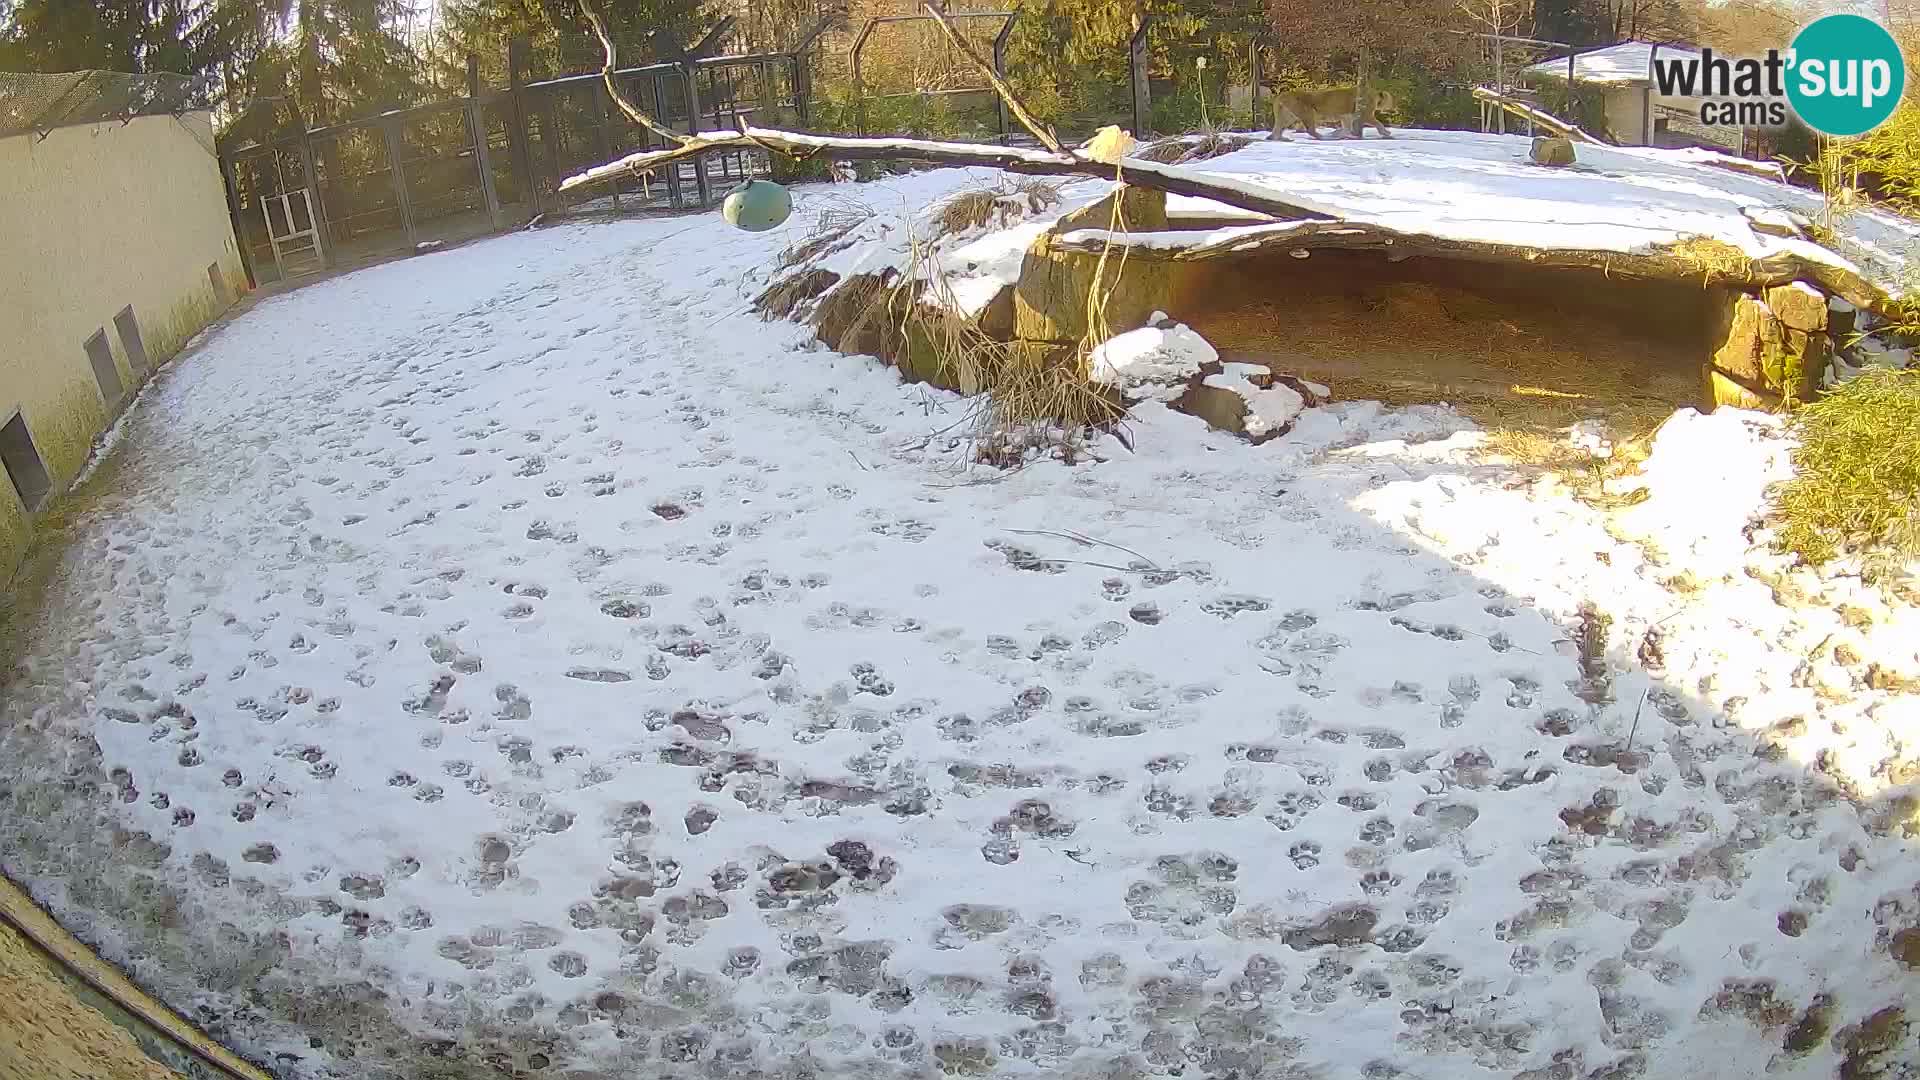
<point>1290,807</point>
<point>1305,855</point>
<point>1377,831</point>
<point>1360,802</point>
<point>1523,691</point>
<point>868,680</point>
<point>1378,882</point>
<point>1000,851</point>
<point>1160,800</point>
<point>1226,607</point>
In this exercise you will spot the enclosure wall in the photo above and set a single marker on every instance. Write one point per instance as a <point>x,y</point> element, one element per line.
<point>93,219</point>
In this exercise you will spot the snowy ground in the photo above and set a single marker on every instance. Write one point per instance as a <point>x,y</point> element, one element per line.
<point>519,658</point>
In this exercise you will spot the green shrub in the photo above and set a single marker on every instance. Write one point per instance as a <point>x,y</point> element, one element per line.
<point>1856,487</point>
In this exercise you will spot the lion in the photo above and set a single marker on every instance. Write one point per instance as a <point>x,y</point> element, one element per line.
<point>1340,104</point>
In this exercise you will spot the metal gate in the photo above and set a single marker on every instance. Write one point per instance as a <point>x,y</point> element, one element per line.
<point>292,233</point>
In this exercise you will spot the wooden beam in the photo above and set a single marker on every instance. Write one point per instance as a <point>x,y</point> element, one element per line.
<point>1659,264</point>
<point>1173,179</point>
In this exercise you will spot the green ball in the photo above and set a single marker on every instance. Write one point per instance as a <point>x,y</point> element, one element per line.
<point>757,205</point>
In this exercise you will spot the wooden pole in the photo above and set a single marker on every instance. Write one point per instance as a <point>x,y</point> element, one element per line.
<point>1137,74</point>
<point>228,177</point>
<point>396,152</point>
<point>482,153</point>
<point>316,206</point>
<point>1000,66</point>
<point>859,83</point>
<point>517,122</point>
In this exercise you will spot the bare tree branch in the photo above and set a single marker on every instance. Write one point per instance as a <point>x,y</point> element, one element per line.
<point>634,112</point>
<point>1040,131</point>
<point>1173,179</point>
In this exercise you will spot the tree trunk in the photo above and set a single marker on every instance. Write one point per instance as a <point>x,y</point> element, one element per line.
<point>1362,91</point>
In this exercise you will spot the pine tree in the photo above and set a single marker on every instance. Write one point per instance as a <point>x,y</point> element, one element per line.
<point>185,37</point>
<point>561,41</point>
<point>324,61</point>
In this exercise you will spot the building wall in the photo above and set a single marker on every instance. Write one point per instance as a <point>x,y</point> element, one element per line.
<point>1627,114</point>
<point>93,218</point>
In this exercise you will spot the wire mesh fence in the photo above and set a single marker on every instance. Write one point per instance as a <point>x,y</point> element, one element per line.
<point>416,178</point>
<point>32,102</point>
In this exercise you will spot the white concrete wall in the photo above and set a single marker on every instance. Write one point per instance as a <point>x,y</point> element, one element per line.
<point>1627,115</point>
<point>94,218</point>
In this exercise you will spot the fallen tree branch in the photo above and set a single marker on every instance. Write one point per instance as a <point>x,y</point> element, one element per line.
<point>1173,179</point>
<point>1040,131</point>
<point>1302,224</point>
<point>1660,264</point>
<point>1538,117</point>
<point>633,111</point>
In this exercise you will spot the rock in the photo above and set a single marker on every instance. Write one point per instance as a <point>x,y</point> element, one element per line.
<point>1552,150</point>
<point>1312,394</point>
<point>1245,399</point>
<point>793,293</point>
<point>1220,408</point>
<point>1156,361</point>
<point>1257,375</point>
<point>1050,301</point>
<point>996,319</point>
<point>1733,395</point>
<point>1757,357</point>
<point>1746,335</point>
<point>1795,371</point>
<point>1141,210</point>
<point>854,317</point>
<point>1798,305</point>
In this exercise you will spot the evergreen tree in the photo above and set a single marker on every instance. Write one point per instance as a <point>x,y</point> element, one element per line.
<point>324,61</point>
<point>186,37</point>
<point>560,40</point>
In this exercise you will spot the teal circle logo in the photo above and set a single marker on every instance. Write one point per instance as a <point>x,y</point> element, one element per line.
<point>1847,75</point>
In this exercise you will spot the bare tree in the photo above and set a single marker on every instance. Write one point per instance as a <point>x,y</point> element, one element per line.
<point>1327,34</point>
<point>1497,20</point>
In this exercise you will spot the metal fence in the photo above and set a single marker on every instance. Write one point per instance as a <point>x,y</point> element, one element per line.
<point>419,177</point>
<point>416,178</point>
<point>31,102</point>
<point>1150,84</point>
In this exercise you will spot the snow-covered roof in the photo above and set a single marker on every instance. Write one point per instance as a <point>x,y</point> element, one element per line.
<point>1456,186</point>
<point>1466,186</point>
<point>1626,64</point>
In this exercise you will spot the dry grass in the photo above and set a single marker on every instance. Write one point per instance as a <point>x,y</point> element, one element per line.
<point>1856,483</point>
<point>792,293</point>
<point>1199,145</point>
<point>854,317</point>
<point>1012,198</point>
<point>1032,396</point>
<point>1714,260</point>
<point>827,232</point>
